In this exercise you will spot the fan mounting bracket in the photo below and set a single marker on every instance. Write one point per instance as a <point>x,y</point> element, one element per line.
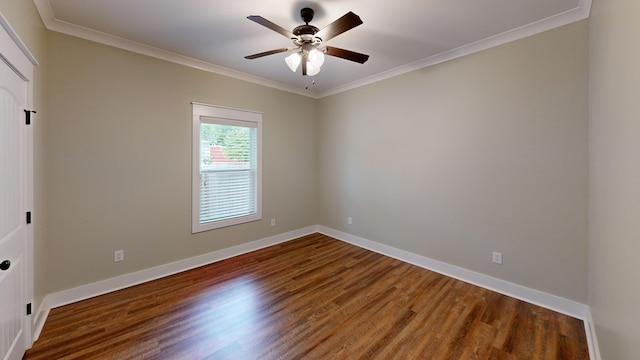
<point>306,14</point>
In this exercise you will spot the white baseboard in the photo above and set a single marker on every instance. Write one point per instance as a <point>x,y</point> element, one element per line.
<point>520,292</point>
<point>40,318</point>
<point>592,340</point>
<point>536,297</point>
<point>83,292</point>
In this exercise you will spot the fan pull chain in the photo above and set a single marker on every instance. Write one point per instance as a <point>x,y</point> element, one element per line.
<point>313,82</point>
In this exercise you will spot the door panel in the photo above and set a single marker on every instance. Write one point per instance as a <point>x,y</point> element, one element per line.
<point>13,227</point>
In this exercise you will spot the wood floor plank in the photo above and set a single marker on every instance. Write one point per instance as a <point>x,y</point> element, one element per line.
<point>310,298</point>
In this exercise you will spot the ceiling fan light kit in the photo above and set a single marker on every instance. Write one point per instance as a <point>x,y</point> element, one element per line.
<point>308,41</point>
<point>315,59</point>
<point>293,61</point>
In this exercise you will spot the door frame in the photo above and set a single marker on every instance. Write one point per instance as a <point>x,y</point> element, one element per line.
<point>14,52</point>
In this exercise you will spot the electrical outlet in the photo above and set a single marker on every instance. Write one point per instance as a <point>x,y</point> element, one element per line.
<point>497,257</point>
<point>118,255</point>
<point>349,220</point>
<point>273,222</point>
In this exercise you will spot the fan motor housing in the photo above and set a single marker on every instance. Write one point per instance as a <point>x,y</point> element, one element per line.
<point>305,33</point>
<point>305,30</point>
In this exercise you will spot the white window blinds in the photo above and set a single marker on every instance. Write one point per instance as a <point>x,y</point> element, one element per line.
<point>226,167</point>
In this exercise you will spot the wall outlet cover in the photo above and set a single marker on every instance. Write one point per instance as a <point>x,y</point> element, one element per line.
<point>497,257</point>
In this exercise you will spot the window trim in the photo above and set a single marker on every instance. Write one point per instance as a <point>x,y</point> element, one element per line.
<point>200,113</point>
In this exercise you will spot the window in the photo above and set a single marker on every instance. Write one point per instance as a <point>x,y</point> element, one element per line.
<point>227,178</point>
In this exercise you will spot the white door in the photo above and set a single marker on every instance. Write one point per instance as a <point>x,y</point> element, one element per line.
<point>14,195</point>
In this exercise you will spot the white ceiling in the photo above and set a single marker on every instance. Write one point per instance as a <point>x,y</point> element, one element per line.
<point>399,35</point>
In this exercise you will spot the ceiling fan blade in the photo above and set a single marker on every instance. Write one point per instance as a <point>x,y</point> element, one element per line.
<point>347,54</point>
<point>268,24</point>
<point>347,22</point>
<point>270,52</point>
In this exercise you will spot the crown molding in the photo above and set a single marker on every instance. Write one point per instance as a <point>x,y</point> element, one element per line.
<point>54,24</point>
<point>580,12</point>
<point>18,55</point>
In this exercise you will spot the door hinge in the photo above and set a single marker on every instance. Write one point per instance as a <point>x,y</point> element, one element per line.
<point>28,217</point>
<point>27,114</point>
<point>29,309</point>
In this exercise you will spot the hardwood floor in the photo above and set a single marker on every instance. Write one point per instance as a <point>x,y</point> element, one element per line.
<point>311,298</point>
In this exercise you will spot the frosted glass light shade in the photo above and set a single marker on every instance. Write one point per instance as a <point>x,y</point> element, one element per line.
<point>312,70</point>
<point>316,58</point>
<point>293,61</point>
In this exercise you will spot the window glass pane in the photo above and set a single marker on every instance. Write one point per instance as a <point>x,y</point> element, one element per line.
<point>226,181</point>
<point>228,176</point>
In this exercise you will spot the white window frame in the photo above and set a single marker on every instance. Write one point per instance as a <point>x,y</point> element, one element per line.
<point>204,113</point>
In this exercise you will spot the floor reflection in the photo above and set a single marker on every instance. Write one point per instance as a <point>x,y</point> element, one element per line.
<point>232,311</point>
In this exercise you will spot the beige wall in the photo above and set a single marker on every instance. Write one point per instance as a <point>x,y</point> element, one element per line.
<point>119,163</point>
<point>24,19</point>
<point>614,175</point>
<point>483,153</point>
<point>486,152</point>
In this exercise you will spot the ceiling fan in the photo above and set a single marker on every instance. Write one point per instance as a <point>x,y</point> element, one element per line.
<point>308,41</point>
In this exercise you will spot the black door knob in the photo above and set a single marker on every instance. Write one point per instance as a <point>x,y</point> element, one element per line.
<point>5,265</point>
